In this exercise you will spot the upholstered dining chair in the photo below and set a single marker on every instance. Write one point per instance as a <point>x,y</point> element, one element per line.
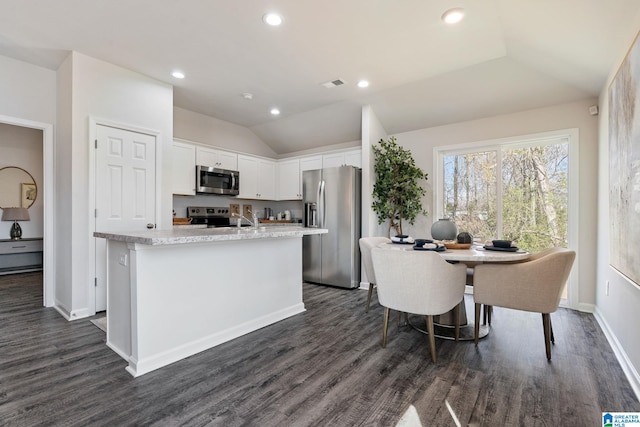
<point>535,285</point>
<point>418,283</point>
<point>366,244</point>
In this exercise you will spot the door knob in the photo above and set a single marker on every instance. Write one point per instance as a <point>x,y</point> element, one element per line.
<point>150,226</point>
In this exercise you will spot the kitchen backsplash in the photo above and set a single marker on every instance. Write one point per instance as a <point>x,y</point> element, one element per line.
<point>180,204</point>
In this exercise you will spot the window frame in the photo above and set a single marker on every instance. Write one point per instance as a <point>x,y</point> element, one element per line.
<point>513,142</point>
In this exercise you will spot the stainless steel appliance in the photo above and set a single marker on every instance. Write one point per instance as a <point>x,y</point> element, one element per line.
<point>217,181</point>
<point>212,216</point>
<point>332,200</point>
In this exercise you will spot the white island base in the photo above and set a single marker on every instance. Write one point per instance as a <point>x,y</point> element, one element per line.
<point>166,301</point>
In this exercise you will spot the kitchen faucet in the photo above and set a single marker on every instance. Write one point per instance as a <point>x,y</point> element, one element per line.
<point>253,223</point>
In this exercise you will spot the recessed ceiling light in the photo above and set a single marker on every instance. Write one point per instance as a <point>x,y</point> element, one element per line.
<point>178,74</point>
<point>363,83</point>
<point>453,16</point>
<point>275,111</point>
<point>272,19</point>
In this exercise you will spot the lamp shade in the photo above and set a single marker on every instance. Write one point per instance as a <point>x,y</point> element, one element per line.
<point>15,214</point>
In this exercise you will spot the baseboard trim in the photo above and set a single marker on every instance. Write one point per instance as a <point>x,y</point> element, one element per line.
<point>140,367</point>
<point>627,367</point>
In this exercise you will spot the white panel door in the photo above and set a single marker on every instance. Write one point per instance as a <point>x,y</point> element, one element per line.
<point>125,190</point>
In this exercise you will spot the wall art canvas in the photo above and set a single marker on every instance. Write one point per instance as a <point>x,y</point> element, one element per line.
<point>624,166</point>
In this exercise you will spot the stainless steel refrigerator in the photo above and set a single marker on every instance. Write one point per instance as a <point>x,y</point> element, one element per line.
<point>332,200</point>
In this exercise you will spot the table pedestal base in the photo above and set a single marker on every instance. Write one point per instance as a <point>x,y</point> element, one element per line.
<point>443,325</point>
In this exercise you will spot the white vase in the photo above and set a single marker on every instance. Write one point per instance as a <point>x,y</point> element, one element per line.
<point>444,229</point>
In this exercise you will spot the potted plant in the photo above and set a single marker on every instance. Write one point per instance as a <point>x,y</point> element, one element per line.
<point>397,192</point>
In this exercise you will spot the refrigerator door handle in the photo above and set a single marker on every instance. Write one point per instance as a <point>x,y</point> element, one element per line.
<point>321,203</point>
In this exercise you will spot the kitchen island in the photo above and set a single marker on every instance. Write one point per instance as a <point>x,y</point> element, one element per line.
<point>174,293</point>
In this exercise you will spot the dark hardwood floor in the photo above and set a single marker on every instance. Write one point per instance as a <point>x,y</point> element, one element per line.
<point>321,368</point>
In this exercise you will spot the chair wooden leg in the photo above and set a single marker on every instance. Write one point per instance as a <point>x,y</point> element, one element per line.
<point>385,326</point>
<point>553,339</point>
<point>546,324</point>
<point>369,296</point>
<point>476,325</point>
<point>432,337</point>
<point>456,319</point>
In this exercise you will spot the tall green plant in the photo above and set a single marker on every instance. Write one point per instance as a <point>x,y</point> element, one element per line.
<point>397,192</point>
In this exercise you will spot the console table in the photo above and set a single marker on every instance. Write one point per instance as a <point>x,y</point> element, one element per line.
<point>20,256</point>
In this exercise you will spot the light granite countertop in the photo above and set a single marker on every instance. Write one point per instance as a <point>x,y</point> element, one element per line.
<point>179,235</point>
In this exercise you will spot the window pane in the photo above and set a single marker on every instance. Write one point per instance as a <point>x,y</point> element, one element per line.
<point>535,196</point>
<point>470,192</point>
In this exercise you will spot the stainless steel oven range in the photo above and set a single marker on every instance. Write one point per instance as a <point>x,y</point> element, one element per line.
<point>212,216</point>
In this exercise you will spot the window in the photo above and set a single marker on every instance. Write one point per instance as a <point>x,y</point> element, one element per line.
<point>517,189</point>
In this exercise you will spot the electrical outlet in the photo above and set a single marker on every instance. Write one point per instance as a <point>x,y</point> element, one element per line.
<point>123,259</point>
<point>606,288</point>
<point>246,211</point>
<point>234,208</point>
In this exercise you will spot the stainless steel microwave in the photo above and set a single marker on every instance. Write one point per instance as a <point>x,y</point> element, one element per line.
<point>217,181</point>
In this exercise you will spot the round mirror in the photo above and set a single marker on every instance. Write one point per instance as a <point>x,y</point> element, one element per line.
<point>18,189</point>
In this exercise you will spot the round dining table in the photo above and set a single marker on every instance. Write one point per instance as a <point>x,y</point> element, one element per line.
<point>472,256</point>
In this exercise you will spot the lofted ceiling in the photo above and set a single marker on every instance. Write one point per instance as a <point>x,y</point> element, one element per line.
<point>505,56</point>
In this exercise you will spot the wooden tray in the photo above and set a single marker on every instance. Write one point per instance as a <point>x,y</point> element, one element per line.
<point>452,245</point>
<point>182,221</point>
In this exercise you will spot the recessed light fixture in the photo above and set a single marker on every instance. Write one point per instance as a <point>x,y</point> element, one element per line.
<point>453,16</point>
<point>275,111</point>
<point>178,74</point>
<point>272,19</point>
<point>363,83</point>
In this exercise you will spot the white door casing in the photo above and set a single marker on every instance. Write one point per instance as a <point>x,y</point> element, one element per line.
<point>125,191</point>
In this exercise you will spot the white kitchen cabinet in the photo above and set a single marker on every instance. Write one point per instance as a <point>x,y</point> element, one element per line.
<point>257,178</point>
<point>184,168</point>
<point>289,180</point>
<point>216,158</point>
<point>353,158</point>
<point>290,176</point>
<point>332,160</point>
<point>310,163</point>
<point>350,158</point>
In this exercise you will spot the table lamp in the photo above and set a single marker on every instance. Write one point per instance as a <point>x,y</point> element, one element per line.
<point>15,215</point>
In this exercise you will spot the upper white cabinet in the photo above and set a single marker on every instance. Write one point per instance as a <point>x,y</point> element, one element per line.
<point>310,163</point>
<point>257,178</point>
<point>353,158</point>
<point>290,176</point>
<point>349,158</point>
<point>216,158</point>
<point>289,180</point>
<point>184,168</point>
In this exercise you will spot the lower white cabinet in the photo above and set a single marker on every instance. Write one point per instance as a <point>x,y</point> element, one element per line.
<point>257,178</point>
<point>184,168</point>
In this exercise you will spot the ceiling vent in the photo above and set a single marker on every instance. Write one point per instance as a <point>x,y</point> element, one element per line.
<point>333,83</point>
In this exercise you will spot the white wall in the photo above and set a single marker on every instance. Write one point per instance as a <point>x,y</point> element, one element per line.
<point>90,88</point>
<point>618,312</point>
<point>372,133</point>
<point>27,91</point>
<point>566,116</point>
<point>208,130</point>
<point>22,147</point>
<point>28,97</point>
